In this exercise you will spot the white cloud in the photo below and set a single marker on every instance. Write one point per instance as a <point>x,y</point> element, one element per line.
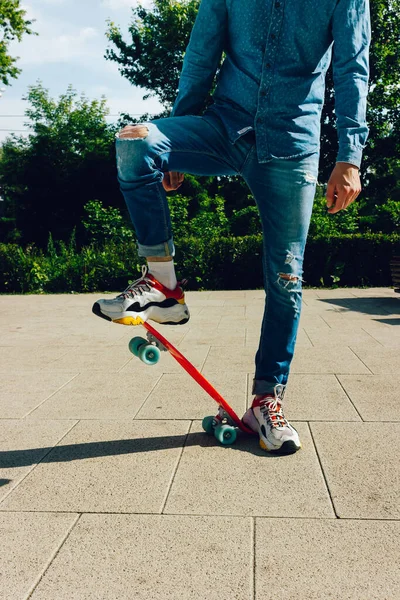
<point>66,47</point>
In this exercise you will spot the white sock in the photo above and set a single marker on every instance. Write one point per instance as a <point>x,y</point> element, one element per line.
<point>164,272</point>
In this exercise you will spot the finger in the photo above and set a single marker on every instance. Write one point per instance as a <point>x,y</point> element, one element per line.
<point>351,198</point>
<point>176,179</point>
<point>330,195</point>
<point>167,182</point>
<point>340,201</point>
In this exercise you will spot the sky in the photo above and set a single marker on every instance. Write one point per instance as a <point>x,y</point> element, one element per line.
<point>70,49</point>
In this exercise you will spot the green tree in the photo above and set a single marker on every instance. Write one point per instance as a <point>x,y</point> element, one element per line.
<point>13,25</point>
<point>47,178</point>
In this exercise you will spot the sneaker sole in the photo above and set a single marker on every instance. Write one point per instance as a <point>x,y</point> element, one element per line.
<point>130,320</point>
<point>288,447</point>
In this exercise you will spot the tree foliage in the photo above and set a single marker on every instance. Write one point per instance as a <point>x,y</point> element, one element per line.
<point>68,159</point>
<point>13,25</point>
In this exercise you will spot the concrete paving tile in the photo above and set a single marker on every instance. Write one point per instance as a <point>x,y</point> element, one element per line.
<point>376,397</point>
<point>254,311</point>
<point>379,360</point>
<point>104,466</point>
<point>310,322</point>
<point>375,292</point>
<point>96,395</point>
<point>361,465</point>
<point>244,480</point>
<point>197,299</point>
<point>214,337</point>
<point>96,358</point>
<point>341,338</point>
<point>315,398</point>
<point>28,542</point>
<point>229,359</point>
<point>30,337</point>
<point>228,295</point>
<point>21,394</point>
<point>12,358</point>
<point>321,559</point>
<point>236,312</point>
<point>322,360</point>
<point>148,556</point>
<point>178,396</point>
<point>388,337</point>
<point>333,293</point>
<point>23,443</point>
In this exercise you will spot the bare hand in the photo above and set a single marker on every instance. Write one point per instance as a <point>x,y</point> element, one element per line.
<point>344,186</point>
<point>172,180</point>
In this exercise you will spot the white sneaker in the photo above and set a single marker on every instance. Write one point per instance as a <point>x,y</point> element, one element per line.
<point>267,418</point>
<point>145,299</point>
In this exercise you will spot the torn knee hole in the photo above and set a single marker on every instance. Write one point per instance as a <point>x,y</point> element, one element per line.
<point>134,131</point>
<point>288,276</point>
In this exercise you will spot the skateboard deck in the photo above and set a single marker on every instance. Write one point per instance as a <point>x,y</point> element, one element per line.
<point>226,423</point>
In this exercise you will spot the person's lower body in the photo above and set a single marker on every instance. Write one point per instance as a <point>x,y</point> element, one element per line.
<point>284,191</point>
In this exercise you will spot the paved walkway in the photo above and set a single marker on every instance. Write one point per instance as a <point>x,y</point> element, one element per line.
<point>110,490</point>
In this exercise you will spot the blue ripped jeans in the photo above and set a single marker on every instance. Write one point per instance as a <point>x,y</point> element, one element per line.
<point>284,190</point>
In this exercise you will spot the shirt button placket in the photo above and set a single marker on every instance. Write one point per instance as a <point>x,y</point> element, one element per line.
<point>268,62</point>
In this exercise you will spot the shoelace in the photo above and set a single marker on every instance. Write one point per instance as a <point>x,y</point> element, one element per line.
<point>143,284</point>
<point>272,412</point>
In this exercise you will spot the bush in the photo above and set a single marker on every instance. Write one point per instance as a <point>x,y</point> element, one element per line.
<point>105,223</point>
<point>216,264</point>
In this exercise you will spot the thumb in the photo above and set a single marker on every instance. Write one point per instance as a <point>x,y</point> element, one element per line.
<point>330,194</point>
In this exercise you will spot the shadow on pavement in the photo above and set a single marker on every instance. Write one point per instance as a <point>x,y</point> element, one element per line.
<point>368,306</point>
<point>23,458</point>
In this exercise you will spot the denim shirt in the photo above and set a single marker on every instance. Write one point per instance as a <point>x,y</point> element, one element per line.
<point>272,78</point>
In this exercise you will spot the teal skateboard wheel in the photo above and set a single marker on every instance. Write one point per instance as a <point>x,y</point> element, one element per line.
<point>135,344</point>
<point>225,434</point>
<point>208,425</point>
<point>149,354</point>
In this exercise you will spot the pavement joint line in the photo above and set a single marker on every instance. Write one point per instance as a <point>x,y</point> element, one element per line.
<point>350,400</point>
<point>125,364</point>
<point>51,559</point>
<point>36,464</point>
<point>374,338</point>
<point>210,516</point>
<point>147,397</point>
<point>51,395</point>
<point>355,354</point>
<point>326,322</point>
<point>178,462</point>
<point>248,395</point>
<point>304,329</point>
<point>204,361</point>
<point>253,558</point>
<point>323,472</point>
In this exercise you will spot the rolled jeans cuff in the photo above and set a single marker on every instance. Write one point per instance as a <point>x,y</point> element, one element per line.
<point>260,387</point>
<point>164,249</point>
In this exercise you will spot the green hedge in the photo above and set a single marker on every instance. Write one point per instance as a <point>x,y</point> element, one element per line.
<point>217,264</point>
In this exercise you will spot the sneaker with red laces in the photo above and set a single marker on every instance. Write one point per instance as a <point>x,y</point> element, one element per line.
<point>266,417</point>
<point>145,299</point>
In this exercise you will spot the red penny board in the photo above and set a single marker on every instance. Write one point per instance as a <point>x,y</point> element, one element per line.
<point>197,376</point>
